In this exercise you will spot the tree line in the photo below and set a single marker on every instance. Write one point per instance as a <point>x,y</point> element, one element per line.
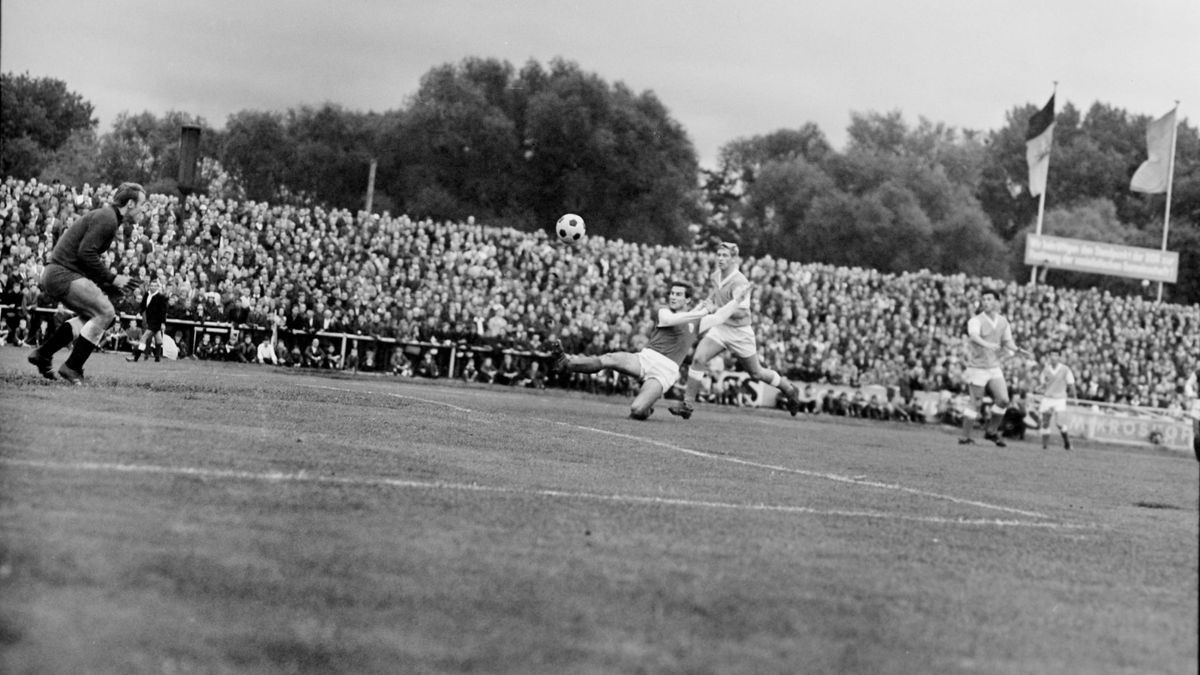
<point>518,147</point>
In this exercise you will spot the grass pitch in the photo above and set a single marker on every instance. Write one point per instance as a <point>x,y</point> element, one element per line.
<point>204,517</point>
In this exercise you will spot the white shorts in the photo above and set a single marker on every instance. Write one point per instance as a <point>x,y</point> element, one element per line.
<point>1193,409</point>
<point>655,366</point>
<point>739,340</point>
<point>1052,405</point>
<point>979,377</point>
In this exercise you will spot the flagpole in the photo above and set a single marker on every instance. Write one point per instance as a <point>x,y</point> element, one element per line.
<point>1042,199</point>
<point>1170,180</point>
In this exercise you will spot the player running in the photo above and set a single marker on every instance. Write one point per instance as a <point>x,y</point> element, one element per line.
<point>989,336</point>
<point>658,364</point>
<point>77,277</point>
<point>734,335</point>
<point>1057,383</point>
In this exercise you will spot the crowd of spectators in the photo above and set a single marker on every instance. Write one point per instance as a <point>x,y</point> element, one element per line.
<point>298,272</point>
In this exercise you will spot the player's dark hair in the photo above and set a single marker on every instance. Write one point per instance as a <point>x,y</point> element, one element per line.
<point>687,288</point>
<point>127,192</point>
<point>990,291</point>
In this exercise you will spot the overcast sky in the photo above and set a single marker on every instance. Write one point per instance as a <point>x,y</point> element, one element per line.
<point>724,70</point>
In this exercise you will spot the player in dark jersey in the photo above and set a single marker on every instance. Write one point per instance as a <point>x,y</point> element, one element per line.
<point>657,365</point>
<point>77,277</point>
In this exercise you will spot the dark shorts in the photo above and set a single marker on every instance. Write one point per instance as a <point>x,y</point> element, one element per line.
<point>56,281</point>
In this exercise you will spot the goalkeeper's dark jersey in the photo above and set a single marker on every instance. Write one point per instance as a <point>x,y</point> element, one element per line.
<point>81,245</point>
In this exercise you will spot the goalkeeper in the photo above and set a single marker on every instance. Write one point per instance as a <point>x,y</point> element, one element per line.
<point>77,277</point>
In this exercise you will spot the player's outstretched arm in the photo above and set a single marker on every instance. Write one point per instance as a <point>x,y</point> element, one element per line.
<point>668,318</point>
<point>727,310</point>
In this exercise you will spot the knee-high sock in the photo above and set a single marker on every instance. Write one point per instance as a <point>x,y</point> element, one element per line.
<point>61,337</point>
<point>695,379</point>
<point>80,353</point>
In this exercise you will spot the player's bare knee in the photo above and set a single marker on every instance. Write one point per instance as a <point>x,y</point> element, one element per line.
<point>105,315</point>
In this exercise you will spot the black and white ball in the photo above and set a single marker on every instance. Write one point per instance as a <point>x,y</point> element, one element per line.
<point>570,228</point>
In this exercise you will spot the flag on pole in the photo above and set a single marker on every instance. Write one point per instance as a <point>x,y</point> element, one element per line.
<point>1037,147</point>
<point>1154,173</point>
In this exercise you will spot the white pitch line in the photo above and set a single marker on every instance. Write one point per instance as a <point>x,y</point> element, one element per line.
<point>735,460</point>
<point>303,477</point>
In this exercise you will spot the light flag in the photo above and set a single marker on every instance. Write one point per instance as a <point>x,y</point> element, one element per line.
<point>1154,174</point>
<point>1037,147</point>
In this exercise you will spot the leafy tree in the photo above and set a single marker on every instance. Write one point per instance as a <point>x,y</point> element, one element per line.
<point>145,148</point>
<point>256,151</point>
<point>740,164</point>
<point>898,199</point>
<point>521,148</point>
<point>37,116</point>
<point>76,162</point>
<point>332,151</point>
<point>454,151</point>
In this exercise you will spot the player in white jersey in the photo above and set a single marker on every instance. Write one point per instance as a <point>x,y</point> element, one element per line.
<point>989,339</point>
<point>1057,383</point>
<point>735,335</point>
<point>1191,395</point>
<point>657,365</point>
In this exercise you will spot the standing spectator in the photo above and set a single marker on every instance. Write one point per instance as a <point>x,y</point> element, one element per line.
<point>77,277</point>
<point>154,310</point>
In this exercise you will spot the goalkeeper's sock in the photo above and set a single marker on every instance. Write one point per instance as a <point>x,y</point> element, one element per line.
<point>79,354</point>
<point>60,338</point>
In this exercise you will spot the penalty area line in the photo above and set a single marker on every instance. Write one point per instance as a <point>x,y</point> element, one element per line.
<point>304,477</point>
<point>725,458</point>
<point>804,472</point>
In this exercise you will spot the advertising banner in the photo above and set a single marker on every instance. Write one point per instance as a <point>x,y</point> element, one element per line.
<point>1100,258</point>
<point>1130,429</point>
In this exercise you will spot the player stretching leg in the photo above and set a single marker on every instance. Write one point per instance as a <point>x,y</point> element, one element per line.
<point>988,335</point>
<point>1057,382</point>
<point>734,335</point>
<point>657,366</point>
<point>77,277</point>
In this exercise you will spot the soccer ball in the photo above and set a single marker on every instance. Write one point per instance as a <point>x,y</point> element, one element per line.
<point>569,228</point>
